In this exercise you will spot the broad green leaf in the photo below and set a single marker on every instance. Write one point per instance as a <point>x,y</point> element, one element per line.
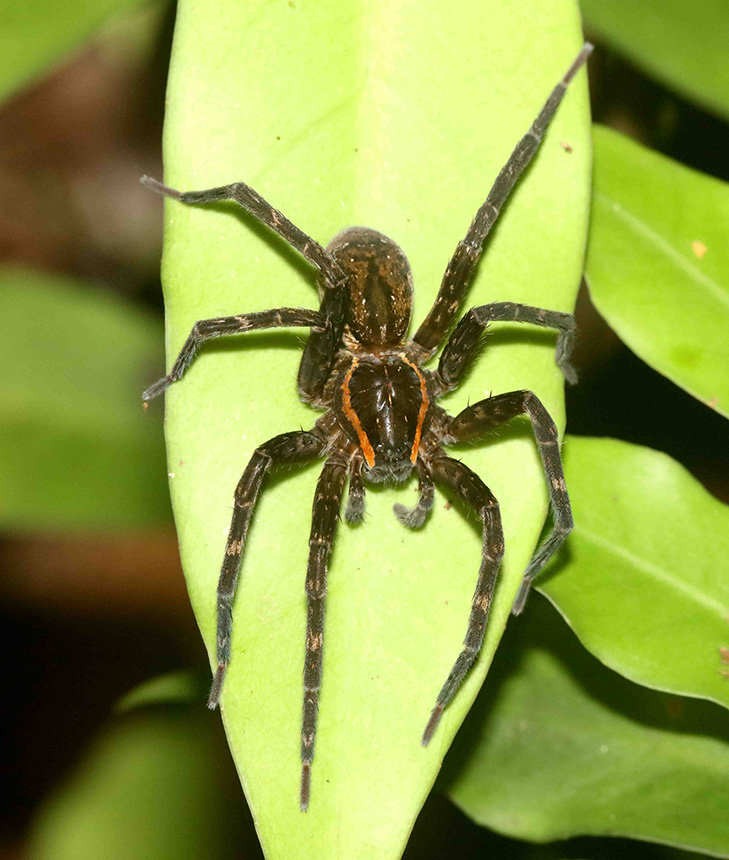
<point>399,119</point>
<point>562,746</point>
<point>658,263</point>
<point>76,449</point>
<point>37,34</point>
<point>645,583</point>
<point>682,44</point>
<point>156,784</point>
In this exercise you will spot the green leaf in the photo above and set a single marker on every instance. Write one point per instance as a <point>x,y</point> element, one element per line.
<point>683,45</point>
<point>37,34</point>
<point>76,449</point>
<point>561,746</point>
<point>344,114</point>
<point>658,263</point>
<point>645,584</point>
<point>156,784</point>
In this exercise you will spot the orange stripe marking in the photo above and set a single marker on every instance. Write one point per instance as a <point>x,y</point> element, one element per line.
<point>364,442</point>
<point>423,408</point>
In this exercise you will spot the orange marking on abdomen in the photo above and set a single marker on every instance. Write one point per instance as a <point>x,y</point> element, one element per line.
<point>364,442</point>
<point>423,408</point>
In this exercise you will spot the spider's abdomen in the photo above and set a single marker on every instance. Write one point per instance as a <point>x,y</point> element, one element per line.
<point>382,405</point>
<point>380,286</point>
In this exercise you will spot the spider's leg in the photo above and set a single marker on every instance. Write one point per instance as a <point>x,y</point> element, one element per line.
<point>463,344</point>
<point>287,448</point>
<point>463,262</point>
<point>472,490</point>
<point>262,210</point>
<point>206,329</point>
<point>482,416</point>
<point>322,347</point>
<point>415,517</point>
<point>325,513</point>
<point>354,512</point>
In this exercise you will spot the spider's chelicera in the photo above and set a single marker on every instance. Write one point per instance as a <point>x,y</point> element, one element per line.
<point>382,419</point>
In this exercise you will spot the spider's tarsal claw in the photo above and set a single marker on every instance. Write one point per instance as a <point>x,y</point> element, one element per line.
<point>569,372</point>
<point>521,597</point>
<point>215,690</point>
<point>156,389</point>
<point>159,187</point>
<point>305,786</point>
<point>432,725</point>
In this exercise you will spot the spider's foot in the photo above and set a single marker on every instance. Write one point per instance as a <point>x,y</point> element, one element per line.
<point>158,388</point>
<point>521,598</point>
<point>354,512</point>
<point>432,725</point>
<point>412,518</point>
<point>216,689</point>
<point>305,786</point>
<point>160,187</point>
<point>569,372</point>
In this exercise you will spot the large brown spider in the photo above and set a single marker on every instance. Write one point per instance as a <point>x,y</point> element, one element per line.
<point>382,420</point>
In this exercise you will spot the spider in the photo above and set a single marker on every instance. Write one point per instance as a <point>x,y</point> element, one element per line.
<point>382,420</point>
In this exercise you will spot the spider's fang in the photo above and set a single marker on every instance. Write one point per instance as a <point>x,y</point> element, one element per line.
<point>215,690</point>
<point>305,786</point>
<point>432,725</point>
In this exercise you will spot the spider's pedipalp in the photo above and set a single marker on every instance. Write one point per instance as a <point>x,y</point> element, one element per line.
<point>414,518</point>
<point>354,512</point>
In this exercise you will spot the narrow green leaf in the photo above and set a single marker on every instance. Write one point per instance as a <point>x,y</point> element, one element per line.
<point>399,119</point>
<point>36,34</point>
<point>682,44</point>
<point>76,449</point>
<point>658,263</point>
<point>156,784</point>
<point>562,746</point>
<point>645,583</point>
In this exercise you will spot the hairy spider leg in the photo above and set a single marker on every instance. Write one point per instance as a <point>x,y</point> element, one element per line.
<point>325,515</point>
<point>414,518</point>
<point>206,329</point>
<point>294,447</point>
<point>472,490</point>
<point>463,344</point>
<point>262,210</point>
<point>354,512</point>
<point>468,251</point>
<point>475,420</point>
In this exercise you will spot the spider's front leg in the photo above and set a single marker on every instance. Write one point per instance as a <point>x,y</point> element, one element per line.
<point>475,420</point>
<point>287,448</point>
<point>462,264</point>
<point>472,490</point>
<point>206,329</point>
<point>325,513</point>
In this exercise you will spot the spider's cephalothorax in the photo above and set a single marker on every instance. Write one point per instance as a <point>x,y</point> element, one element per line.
<point>382,420</point>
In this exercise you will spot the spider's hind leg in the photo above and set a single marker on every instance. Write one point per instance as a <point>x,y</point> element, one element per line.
<point>325,513</point>
<point>286,448</point>
<point>414,518</point>
<point>472,490</point>
<point>475,420</point>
